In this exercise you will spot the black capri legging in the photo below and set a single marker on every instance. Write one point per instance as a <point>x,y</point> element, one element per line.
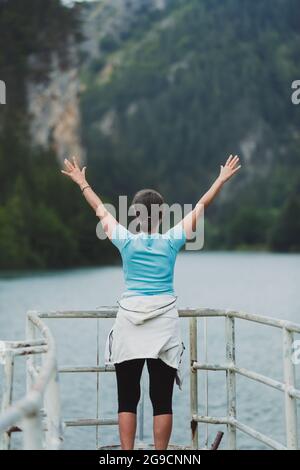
<point>161,382</point>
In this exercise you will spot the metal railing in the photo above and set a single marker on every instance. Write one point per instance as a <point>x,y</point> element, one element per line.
<point>42,387</point>
<point>37,415</point>
<point>291,394</point>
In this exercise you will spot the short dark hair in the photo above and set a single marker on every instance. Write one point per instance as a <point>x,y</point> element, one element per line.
<point>148,198</point>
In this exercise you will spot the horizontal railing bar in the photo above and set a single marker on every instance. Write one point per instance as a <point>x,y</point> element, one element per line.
<point>110,312</point>
<point>22,344</point>
<point>242,427</point>
<point>203,366</point>
<point>107,312</point>
<point>210,419</point>
<point>71,369</point>
<point>294,392</point>
<point>201,312</point>
<point>266,320</point>
<point>91,422</point>
<point>250,375</point>
<point>258,435</point>
<point>30,350</point>
<point>196,365</point>
<point>260,378</point>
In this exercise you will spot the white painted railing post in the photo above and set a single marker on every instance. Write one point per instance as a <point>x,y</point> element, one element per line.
<point>230,380</point>
<point>30,336</point>
<point>193,382</point>
<point>8,358</point>
<point>290,401</point>
<point>32,432</point>
<point>32,424</point>
<point>54,433</point>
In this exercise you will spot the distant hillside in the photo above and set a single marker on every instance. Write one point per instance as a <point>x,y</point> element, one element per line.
<point>169,95</point>
<point>44,222</point>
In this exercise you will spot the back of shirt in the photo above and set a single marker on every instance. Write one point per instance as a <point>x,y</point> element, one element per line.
<point>148,259</point>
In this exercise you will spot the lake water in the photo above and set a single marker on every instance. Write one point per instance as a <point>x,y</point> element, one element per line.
<point>266,284</point>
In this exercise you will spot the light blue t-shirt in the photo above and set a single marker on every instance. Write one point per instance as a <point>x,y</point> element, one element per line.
<point>148,259</point>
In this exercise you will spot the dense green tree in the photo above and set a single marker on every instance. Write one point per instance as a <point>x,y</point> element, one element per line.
<point>43,222</point>
<point>285,235</point>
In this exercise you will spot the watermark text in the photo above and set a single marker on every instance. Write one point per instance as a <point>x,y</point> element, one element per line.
<point>161,221</point>
<point>296,94</point>
<point>2,92</point>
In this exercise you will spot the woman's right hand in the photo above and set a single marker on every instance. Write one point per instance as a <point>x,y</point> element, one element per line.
<point>230,168</point>
<point>73,171</point>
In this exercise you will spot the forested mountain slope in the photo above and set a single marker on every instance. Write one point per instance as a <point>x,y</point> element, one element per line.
<point>167,99</point>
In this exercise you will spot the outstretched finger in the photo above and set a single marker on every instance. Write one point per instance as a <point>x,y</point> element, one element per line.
<point>75,162</point>
<point>65,172</point>
<point>83,171</point>
<point>234,161</point>
<point>68,164</point>
<point>236,169</point>
<point>229,159</point>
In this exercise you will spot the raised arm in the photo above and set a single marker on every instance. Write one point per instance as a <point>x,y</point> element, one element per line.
<point>77,175</point>
<point>226,172</point>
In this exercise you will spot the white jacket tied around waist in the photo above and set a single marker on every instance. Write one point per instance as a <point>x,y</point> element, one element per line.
<point>146,326</point>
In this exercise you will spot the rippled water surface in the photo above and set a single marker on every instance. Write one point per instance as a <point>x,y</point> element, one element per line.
<point>266,284</point>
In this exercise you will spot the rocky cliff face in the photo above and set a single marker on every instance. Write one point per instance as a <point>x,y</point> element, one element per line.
<point>53,107</point>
